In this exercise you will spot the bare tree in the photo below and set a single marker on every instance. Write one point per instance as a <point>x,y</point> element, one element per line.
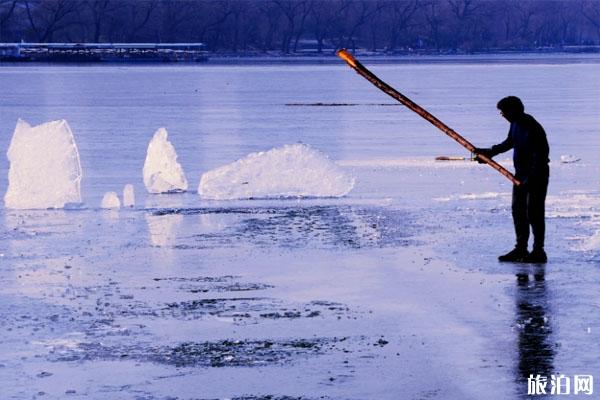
<point>526,10</point>
<point>353,16</point>
<point>431,11</point>
<point>47,17</point>
<point>100,11</point>
<point>174,14</point>
<point>210,25</point>
<point>271,13</point>
<point>234,25</point>
<point>401,16</point>
<point>7,7</point>
<point>137,16</point>
<point>295,13</point>
<point>591,12</point>
<point>323,16</point>
<point>465,14</point>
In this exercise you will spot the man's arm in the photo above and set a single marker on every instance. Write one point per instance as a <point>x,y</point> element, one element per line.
<point>502,147</point>
<point>496,149</point>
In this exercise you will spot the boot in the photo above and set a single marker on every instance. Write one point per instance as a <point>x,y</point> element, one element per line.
<point>537,256</point>
<point>515,255</point>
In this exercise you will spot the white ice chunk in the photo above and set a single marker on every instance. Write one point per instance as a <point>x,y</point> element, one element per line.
<point>162,172</point>
<point>290,171</point>
<point>569,159</point>
<point>110,200</point>
<point>128,196</point>
<point>45,171</point>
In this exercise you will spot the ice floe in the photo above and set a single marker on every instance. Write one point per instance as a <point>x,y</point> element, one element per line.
<point>128,196</point>
<point>45,171</point>
<point>289,171</point>
<point>110,200</point>
<point>162,172</point>
<point>569,159</point>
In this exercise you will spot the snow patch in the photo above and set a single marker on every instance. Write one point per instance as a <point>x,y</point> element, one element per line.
<point>471,196</point>
<point>162,172</point>
<point>592,243</point>
<point>45,171</point>
<point>573,205</point>
<point>289,171</point>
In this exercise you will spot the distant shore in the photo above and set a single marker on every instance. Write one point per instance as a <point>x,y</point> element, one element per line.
<point>577,54</point>
<point>376,57</point>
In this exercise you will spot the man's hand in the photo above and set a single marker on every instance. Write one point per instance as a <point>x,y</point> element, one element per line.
<point>484,152</point>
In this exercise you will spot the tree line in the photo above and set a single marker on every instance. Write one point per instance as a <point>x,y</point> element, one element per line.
<point>292,26</point>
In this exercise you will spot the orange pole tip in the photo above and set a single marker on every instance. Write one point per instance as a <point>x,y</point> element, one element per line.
<point>344,55</point>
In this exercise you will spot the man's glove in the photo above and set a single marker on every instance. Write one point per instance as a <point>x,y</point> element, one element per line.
<point>484,152</point>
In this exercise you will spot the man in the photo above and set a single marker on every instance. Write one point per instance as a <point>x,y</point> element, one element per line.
<point>528,139</point>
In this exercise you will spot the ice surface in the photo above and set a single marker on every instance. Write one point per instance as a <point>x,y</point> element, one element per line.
<point>405,266</point>
<point>592,243</point>
<point>110,200</point>
<point>162,172</point>
<point>128,196</point>
<point>287,171</point>
<point>45,171</point>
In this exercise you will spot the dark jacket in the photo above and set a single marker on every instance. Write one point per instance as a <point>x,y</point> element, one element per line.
<point>530,155</point>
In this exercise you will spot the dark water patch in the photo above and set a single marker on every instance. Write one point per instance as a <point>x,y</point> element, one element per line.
<point>216,354</point>
<point>213,306</point>
<point>271,397</point>
<point>252,309</point>
<point>301,227</point>
<point>233,287</point>
<point>244,397</point>
<point>112,303</point>
<point>218,284</point>
<point>205,210</point>
<point>209,279</point>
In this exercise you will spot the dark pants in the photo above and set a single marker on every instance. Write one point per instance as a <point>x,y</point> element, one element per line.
<point>528,209</point>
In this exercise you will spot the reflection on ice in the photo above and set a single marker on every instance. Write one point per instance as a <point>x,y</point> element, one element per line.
<point>211,223</point>
<point>164,201</point>
<point>163,228</point>
<point>534,326</point>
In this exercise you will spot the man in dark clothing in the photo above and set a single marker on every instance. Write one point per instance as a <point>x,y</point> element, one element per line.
<point>530,157</point>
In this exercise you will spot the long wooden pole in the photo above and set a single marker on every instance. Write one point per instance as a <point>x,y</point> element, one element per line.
<point>371,77</point>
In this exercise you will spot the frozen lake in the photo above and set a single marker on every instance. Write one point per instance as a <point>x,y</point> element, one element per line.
<point>391,292</point>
